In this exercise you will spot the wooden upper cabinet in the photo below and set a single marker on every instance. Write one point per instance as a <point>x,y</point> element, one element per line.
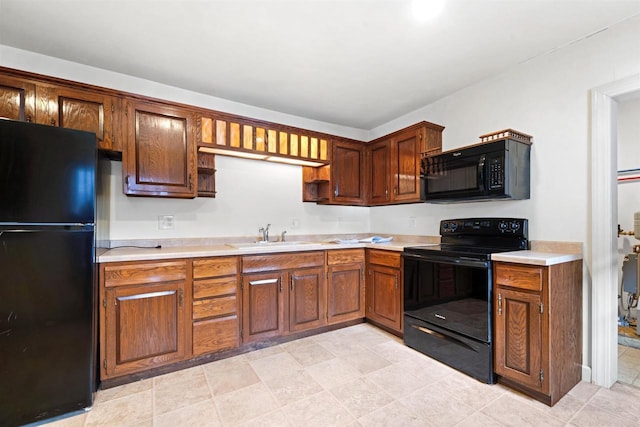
<point>82,110</point>
<point>405,167</point>
<point>347,173</point>
<point>379,172</point>
<point>159,158</point>
<point>17,99</point>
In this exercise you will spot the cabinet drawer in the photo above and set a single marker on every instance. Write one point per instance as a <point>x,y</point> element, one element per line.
<point>141,273</point>
<point>388,258</point>
<point>214,307</point>
<point>207,288</point>
<point>346,256</point>
<point>223,266</point>
<point>215,335</point>
<point>519,276</point>
<point>285,261</point>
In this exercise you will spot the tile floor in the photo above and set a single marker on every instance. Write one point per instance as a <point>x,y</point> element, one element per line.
<point>357,376</point>
<point>629,366</point>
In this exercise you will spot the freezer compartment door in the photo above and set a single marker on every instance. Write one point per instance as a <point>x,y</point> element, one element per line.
<point>47,328</point>
<point>47,174</point>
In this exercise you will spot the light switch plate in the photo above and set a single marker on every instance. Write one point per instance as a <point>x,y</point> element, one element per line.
<point>165,222</point>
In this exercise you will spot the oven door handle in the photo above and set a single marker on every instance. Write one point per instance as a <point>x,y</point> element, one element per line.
<point>462,261</point>
<point>444,337</point>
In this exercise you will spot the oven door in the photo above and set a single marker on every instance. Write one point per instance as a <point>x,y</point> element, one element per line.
<point>451,293</point>
<point>451,177</point>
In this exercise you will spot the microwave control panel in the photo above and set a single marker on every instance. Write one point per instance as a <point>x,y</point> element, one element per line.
<point>496,173</point>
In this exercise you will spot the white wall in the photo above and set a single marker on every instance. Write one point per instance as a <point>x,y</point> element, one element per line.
<point>547,97</point>
<point>628,192</point>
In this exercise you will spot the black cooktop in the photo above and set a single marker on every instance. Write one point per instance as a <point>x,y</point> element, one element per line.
<point>477,238</point>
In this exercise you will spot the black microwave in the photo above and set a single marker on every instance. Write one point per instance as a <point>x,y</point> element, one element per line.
<point>488,171</point>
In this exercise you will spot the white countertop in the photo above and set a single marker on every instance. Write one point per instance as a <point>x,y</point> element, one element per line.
<point>150,253</point>
<point>535,257</point>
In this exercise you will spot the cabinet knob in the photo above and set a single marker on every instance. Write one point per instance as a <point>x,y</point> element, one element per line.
<point>499,304</point>
<point>28,119</point>
<point>53,122</point>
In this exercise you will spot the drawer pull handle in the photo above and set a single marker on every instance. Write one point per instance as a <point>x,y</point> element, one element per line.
<point>499,304</point>
<point>263,282</point>
<point>444,337</point>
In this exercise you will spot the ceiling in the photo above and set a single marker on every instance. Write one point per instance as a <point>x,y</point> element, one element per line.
<point>357,63</point>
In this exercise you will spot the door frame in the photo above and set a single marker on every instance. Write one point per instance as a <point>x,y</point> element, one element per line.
<point>602,256</point>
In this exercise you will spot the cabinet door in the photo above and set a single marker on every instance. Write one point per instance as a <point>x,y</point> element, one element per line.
<point>17,99</point>
<point>384,297</point>
<point>345,293</point>
<point>306,299</point>
<point>82,110</point>
<point>405,170</point>
<point>145,326</point>
<point>379,172</point>
<point>262,306</point>
<point>347,167</point>
<point>518,340</point>
<point>159,157</point>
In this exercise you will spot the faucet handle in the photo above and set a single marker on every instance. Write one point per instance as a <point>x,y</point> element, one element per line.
<point>282,235</point>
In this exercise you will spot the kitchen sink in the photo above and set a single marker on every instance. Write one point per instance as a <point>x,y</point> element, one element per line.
<point>264,245</point>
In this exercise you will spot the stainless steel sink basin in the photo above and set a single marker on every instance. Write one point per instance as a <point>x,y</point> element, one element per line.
<point>265,245</point>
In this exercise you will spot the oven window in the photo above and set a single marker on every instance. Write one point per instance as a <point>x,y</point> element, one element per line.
<point>451,175</point>
<point>451,296</point>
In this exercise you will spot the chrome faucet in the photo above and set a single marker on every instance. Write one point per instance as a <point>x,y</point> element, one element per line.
<point>282,235</point>
<point>265,232</point>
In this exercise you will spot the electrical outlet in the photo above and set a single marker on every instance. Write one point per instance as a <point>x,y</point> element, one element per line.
<point>412,221</point>
<point>295,223</point>
<point>165,222</point>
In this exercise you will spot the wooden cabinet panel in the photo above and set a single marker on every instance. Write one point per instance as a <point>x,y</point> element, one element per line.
<point>520,276</point>
<point>208,288</point>
<point>518,353</point>
<point>82,110</point>
<point>345,256</point>
<point>379,172</point>
<point>17,99</point>
<point>345,292</point>
<point>144,327</point>
<point>405,170</point>
<point>262,306</point>
<point>133,273</point>
<point>384,289</point>
<point>285,261</point>
<point>215,335</point>
<point>347,173</point>
<point>219,266</point>
<point>306,299</point>
<point>160,154</point>
<point>214,307</point>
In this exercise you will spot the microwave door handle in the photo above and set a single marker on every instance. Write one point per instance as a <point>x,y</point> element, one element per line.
<point>481,172</point>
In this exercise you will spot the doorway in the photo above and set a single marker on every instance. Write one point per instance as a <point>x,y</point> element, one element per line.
<point>602,256</point>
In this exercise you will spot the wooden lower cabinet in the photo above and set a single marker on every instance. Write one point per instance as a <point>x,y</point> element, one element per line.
<point>282,293</point>
<point>143,319</point>
<point>345,285</point>
<point>538,328</point>
<point>216,304</point>
<point>384,289</point>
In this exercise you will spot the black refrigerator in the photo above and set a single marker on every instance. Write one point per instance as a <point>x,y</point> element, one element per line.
<point>47,272</point>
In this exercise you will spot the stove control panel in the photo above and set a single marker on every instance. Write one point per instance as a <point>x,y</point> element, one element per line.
<point>516,227</point>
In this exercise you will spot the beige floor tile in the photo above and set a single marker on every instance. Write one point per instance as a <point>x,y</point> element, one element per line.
<point>245,404</point>
<point>74,421</point>
<point>478,419</point>
<point>183,375</point>
<point>401,379</point>
<point>123,390</point>
<point>622,400</point>
<point>172,396</point>
<point>469,390</point>
<point>395,352</point>
<point>310,354</point>
<point>583,391</point>
<point>512,411</point>
<point>342,346</point>
<point>293,386</point>
<point>202,414</point>
<point>132,410</point>
<point>276,418</point>
<point>436,406</point>
<point>227,375</point>
<point>393,415</point>
<point>320,410</point>
<point>264,352</point>
<point>361,396</point>
<point>275,365</point>
<point>593,416</point>
<point>366,361</point>
<point>332,373</point>
<point>563,410</point>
